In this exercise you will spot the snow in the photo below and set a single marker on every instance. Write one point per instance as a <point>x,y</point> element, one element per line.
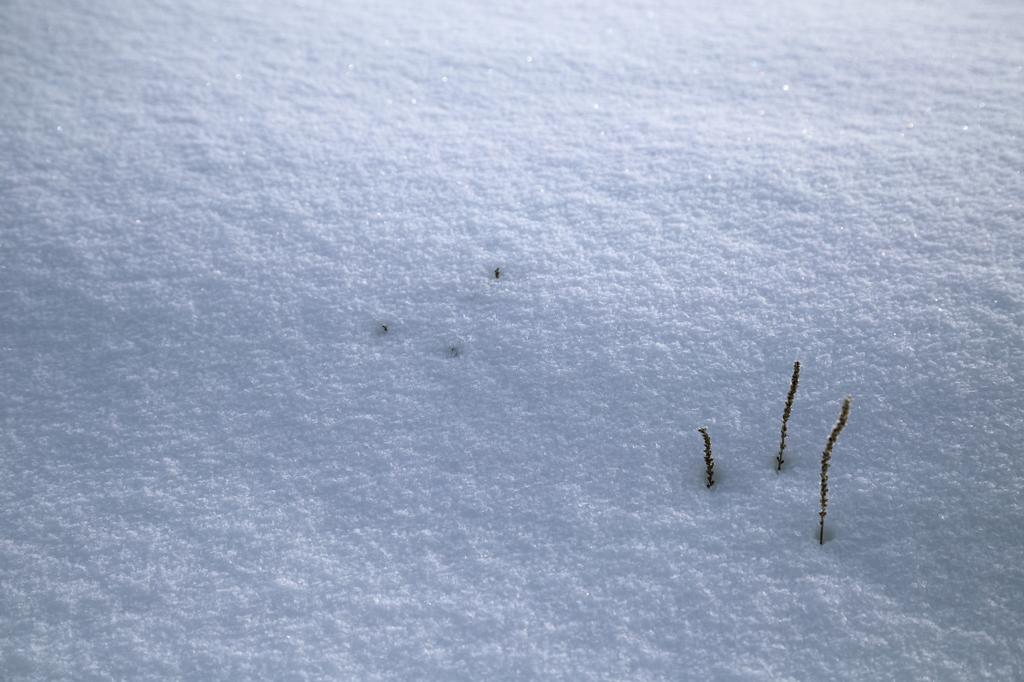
<point>216,464</point>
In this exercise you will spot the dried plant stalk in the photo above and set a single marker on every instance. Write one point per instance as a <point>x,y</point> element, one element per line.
<point>708,460</point>
<point>785,413</point>
<point>826,457</point>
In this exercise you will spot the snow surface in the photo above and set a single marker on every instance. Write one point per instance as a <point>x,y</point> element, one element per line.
<point>215,464</point>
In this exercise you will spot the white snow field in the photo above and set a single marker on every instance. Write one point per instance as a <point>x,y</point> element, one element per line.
<point>215,464</point>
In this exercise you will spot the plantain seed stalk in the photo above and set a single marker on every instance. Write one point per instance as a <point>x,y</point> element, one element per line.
<point>785,413</point>
<point>826,457</point>
<point>708,460</point>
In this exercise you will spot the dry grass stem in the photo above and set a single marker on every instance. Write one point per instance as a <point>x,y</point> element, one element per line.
<point>708,460</point>
<point>785,413</point>
<point>826,457</point>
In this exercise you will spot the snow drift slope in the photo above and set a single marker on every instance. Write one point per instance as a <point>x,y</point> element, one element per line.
<point>216,464</point>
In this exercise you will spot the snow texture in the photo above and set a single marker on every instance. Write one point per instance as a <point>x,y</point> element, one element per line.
<point>217,464</point>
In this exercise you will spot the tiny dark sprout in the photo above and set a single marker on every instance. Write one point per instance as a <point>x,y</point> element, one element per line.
<point>385,328</point>
<point>497,273</point>
<point>455,352</point>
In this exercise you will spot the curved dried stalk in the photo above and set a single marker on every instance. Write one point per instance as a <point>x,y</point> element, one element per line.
<point>826,457</point>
